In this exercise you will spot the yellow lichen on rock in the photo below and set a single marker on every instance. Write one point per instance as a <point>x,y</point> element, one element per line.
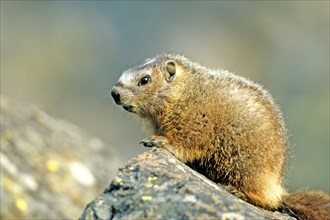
<point>152,178</point>
<point>52,165</point>
<point>21,204</point>
<point>146,198</point>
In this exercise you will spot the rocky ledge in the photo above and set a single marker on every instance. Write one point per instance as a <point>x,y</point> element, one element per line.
<point>155,185</point>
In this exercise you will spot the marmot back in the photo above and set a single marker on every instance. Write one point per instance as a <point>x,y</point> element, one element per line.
<point>222,125</point>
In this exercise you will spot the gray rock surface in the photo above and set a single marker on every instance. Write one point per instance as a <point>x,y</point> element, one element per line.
<point>155,185</point>
<point>50,168</point>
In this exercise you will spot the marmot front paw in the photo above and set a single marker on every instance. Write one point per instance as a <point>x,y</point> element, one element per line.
<point>154,141</point>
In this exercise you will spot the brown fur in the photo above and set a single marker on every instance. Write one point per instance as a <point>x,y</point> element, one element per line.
<point>308,205</point>
<point>223,125</point>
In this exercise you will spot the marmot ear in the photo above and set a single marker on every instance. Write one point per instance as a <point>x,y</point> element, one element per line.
<point>169,70</point>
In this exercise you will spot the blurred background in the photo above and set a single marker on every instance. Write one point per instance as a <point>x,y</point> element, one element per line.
<point>66,55</point>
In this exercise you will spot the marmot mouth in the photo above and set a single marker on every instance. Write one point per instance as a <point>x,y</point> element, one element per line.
<point>128,108</point>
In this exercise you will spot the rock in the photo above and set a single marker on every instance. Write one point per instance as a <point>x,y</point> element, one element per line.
<point>155,185</point>
<point>50,168</point>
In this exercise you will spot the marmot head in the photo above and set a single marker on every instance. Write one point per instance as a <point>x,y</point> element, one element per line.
<point>147,88</point>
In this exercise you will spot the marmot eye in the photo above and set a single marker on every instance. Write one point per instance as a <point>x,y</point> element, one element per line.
<point>144,80</point>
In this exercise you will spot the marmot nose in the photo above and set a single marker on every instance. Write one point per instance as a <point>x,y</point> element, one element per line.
<point>115,95</point>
